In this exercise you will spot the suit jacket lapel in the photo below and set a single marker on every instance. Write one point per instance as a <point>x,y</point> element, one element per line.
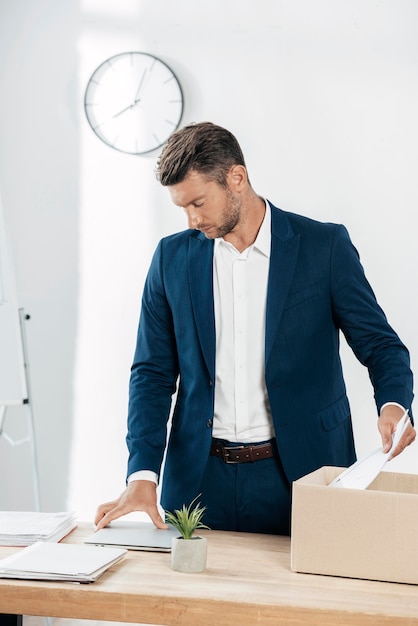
<point>284,253</point>
<point>200,264</point>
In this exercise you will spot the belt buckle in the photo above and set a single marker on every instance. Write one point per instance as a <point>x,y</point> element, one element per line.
<point>226,452</point>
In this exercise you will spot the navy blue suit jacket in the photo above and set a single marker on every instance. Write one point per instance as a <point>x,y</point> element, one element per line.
<point>316,288</point>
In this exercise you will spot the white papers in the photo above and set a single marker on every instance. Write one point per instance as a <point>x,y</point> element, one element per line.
<point>60,561</point>
<point>363,472</point>
<point>22,528</point>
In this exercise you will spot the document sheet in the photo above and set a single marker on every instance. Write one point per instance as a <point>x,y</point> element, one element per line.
<point>362,473</point>
<point>60,561</point>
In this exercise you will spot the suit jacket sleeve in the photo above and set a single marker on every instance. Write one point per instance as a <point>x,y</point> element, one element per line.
<point>153,375</point>
<point>366,328</point>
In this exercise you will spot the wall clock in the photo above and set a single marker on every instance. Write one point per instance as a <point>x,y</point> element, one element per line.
<point>133,102</point>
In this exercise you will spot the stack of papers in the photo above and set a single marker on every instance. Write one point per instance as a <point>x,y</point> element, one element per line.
<point>60,561</point>
<point>21,528</point>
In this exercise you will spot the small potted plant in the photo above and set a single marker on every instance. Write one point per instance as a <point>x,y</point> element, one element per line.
<point>188,552</point>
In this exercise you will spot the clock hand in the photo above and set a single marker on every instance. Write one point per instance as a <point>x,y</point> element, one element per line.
<point>140,83</point>
<point>131,106</point>
<point>137,98</point>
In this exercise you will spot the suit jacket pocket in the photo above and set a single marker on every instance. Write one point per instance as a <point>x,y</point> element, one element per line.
<point>336,414</point>
<point>302,295</point>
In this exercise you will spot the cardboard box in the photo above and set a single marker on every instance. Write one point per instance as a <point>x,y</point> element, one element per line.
<point>369,533</point>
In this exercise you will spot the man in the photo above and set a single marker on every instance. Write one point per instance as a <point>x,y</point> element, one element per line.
<point>241,314</point>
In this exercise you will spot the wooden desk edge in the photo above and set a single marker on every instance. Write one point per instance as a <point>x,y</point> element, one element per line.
<point>91,601</point>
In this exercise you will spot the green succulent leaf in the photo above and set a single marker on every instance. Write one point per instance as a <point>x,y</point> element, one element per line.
<point>187,519</point>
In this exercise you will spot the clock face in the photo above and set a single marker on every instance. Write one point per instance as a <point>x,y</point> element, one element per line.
<point>133,102</point>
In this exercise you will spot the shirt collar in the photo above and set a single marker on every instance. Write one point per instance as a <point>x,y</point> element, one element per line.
<point>263,239</point>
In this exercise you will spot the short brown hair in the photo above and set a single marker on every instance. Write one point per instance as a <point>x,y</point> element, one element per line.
<point>205,148</point>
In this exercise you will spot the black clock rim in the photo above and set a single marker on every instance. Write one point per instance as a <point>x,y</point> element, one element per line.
<point>152,56</point>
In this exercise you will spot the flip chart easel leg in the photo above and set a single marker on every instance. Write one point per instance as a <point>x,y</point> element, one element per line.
<point>23,317</point>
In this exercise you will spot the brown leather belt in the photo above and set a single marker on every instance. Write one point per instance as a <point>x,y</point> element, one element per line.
<point>243,454</point>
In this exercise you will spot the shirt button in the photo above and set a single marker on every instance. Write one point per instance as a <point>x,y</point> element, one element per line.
<point>209,423</point>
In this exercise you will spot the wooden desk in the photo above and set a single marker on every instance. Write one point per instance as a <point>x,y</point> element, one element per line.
<point>248,581</point>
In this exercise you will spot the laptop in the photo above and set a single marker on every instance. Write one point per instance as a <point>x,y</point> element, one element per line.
<point>133,535</point>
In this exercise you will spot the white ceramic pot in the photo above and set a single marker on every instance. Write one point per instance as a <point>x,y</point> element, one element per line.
<point>189,555</point>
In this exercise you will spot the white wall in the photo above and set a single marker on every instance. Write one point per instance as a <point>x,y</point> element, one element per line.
<point>322,95</point>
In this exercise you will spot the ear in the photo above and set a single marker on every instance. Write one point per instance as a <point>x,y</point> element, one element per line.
<point>237,178</point>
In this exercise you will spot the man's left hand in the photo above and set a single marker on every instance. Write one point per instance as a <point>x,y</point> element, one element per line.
<point>388,420</point>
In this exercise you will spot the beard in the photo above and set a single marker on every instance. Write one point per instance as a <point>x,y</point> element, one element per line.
<point>230,216</point>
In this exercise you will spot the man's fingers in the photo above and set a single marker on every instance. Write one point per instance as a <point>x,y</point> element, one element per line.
<point>108,512</point>
<point>408,438</point>
<point>118,511</point>
<point>386,443</point>
<point>138,496</point>
<point>103,509</point>
<point>108,517</point>
<point>156,519</point>
<point>389,419</point>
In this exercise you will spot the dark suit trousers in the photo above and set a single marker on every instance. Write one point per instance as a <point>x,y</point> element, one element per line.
<point>247,497</point>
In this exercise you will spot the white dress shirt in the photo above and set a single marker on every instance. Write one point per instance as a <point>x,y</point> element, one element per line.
<point>242,412</point>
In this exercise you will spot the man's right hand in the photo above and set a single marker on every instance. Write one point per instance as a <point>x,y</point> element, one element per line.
<point>139,495</point>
